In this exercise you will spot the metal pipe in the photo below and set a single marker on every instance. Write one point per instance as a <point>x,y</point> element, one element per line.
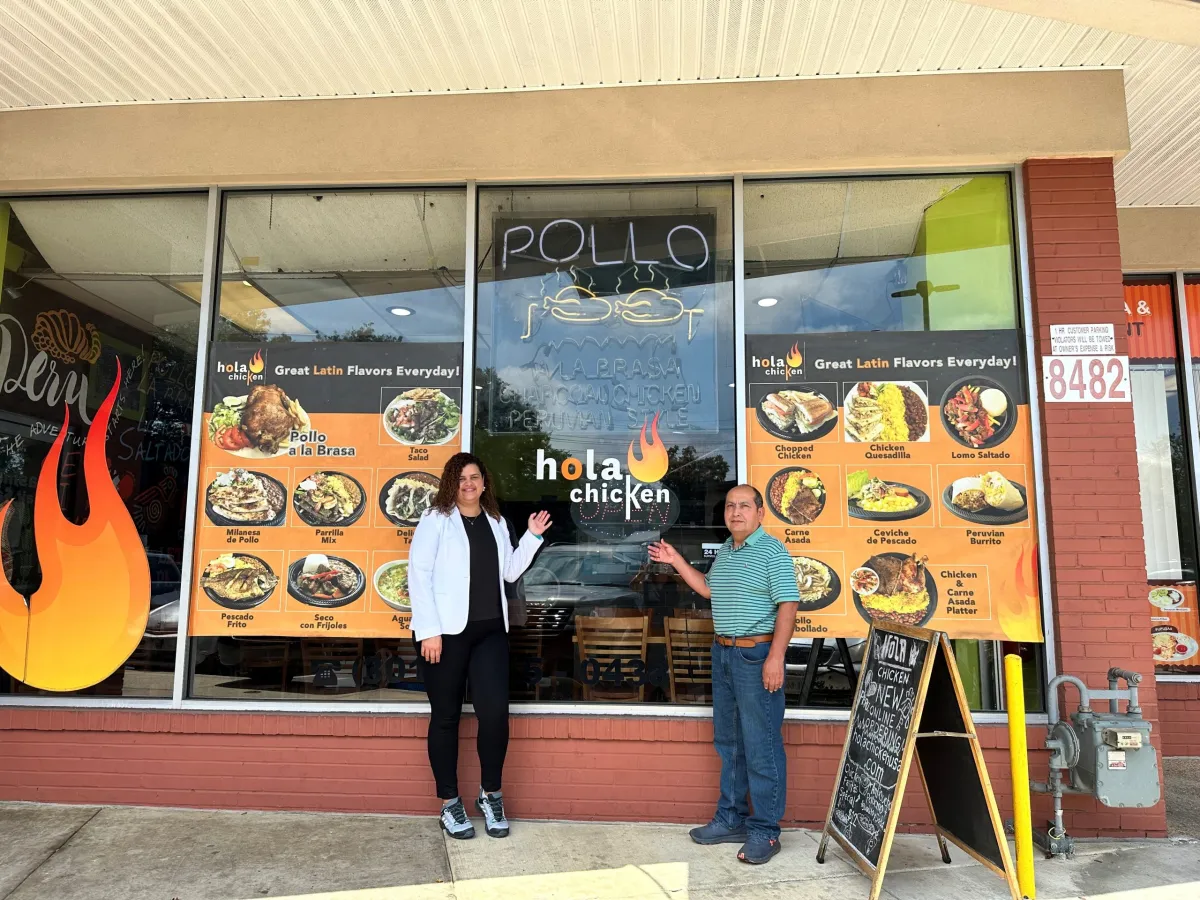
<point>1132,680</point>
<point>1085,697</point>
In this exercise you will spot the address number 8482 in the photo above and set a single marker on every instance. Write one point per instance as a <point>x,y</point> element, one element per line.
<point>1085,379</point>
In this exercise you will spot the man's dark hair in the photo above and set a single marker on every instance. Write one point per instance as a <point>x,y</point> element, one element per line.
<point>758,497</point>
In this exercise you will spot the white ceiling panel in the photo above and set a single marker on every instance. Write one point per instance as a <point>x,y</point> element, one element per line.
<point>87,52</point>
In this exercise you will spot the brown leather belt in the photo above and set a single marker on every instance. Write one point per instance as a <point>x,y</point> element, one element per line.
<point>747,641</point>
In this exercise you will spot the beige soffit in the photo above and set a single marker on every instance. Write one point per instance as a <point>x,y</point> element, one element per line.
<point>1176,21</point>
<point>56,54</point>
<point>651,131</point>
<point>1160,239</point>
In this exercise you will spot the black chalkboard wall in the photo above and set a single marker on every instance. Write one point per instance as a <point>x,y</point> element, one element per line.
<point>879,734</point>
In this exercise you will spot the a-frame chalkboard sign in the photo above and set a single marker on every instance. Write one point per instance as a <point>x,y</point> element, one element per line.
<point>910,704</point>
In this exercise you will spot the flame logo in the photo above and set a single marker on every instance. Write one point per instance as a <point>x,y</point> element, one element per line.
<point>794,358</point>
<point>255,366</point>
<point>653,463</point>
<point>90,612</point>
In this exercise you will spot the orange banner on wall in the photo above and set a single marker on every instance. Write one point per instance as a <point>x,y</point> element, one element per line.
<point>1191,299</point>
<point>318,461</point>
<point>1150,321</point>
<point>897,470</point>
<point>1175,627</point>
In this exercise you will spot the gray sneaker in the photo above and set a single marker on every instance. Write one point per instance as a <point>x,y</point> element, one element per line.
<point>455,822</point>
<point>492,806</point>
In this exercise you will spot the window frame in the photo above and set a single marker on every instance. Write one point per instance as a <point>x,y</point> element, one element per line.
<point>212,273</point>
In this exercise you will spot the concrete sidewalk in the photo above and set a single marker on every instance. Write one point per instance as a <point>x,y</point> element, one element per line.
<point>68,853</point>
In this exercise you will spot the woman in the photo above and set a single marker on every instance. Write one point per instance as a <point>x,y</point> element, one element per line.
<point>461,555</point>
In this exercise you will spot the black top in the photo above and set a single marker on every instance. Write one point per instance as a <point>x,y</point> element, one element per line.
<point>485,569</point>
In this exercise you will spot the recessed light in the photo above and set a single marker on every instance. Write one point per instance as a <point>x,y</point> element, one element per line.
<point>247,284</point>
<point>400,311</point>
<point>733,385</point>
<point>767,301</point>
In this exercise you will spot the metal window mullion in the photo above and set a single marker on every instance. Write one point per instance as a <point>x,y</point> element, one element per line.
<point>1187,388</point>
<point>208,290</point>
<point>468,350</point>
<point>739,331</point>
<point>1025,283</point>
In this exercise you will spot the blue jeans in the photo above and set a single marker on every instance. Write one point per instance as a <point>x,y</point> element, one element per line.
<point>748,735</point>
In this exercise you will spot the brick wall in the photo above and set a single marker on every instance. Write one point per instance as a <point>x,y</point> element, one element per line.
<point>1092,492</point>
<point>1179,714</point>
<point>633,769</point>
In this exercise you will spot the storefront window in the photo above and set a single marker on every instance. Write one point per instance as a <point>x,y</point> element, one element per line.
<point>98,329</point>
<point>1158,385</point>
<point>604,394</point>
<point>888,417</point>
<point>333,400</point>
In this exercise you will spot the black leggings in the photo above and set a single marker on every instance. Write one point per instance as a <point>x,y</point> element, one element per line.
<point>479,655</point>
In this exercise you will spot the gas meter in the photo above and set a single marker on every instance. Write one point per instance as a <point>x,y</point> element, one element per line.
<point>1104,754</point>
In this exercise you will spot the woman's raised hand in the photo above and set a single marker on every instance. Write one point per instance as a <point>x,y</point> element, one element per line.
<point>539,522</point>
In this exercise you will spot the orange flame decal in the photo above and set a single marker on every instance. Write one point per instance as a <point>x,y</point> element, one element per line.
<point>90,612</point>
<point>794,358</point>
<point>255,366</point>
<point>653,463</point>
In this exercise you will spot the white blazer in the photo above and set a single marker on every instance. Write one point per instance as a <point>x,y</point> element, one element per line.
<point>439,571</point>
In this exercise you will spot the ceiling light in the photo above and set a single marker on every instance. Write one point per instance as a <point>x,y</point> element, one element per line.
<point>400,311</point>
<point>247,284</point>
<point>767,301</point>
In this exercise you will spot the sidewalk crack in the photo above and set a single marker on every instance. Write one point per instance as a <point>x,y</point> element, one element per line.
<point>54,851</point>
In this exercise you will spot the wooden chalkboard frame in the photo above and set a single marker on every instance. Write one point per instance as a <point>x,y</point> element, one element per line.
<point>939,646</point>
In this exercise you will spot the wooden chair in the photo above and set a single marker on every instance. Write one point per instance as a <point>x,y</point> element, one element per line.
<point>689,657</point>
<point>324,654</point>
<point>267,653</point>
<point>602,640</point>
<point>525,651</point>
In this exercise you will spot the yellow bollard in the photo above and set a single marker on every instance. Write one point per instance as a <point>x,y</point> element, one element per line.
<point>1019,753</point>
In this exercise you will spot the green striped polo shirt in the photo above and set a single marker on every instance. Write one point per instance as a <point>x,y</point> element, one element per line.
<point>748,582</point>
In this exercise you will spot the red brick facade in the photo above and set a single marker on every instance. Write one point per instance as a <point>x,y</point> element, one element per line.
<point>582,767</point>
<point>1093,502</point>
<point>1179,713</point>
<point>593,767</point>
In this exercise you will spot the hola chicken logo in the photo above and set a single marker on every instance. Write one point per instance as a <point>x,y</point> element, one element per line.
<point>250,372</point>
<point>788,366</point>
<point>646,467</point>
<point>90,612</point>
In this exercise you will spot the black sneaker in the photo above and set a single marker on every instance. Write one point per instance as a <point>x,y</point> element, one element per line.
<point>455,822</point>
<point>492,806</point>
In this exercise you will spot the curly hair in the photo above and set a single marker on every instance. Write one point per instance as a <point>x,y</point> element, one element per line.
<point>447,495</point>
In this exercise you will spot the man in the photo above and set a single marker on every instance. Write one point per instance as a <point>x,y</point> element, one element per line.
<point>752,586</point>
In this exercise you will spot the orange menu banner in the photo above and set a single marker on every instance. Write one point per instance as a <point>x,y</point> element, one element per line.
<point>1150,320</point>
<point>897,469</point>
<point>317,462</point>
<point>1175,627</point>
<point>1191,294</point>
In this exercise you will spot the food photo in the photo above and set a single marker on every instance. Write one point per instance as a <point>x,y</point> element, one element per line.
<point>978,413</point>
<point>1171,646</point>
<point>1166,598</point>
<point>896,588</point>
<point>258,424</point>
<point>241,497</point>
<point>796,496</point>
<point>868,497</point>
<point>887,412</point>
<point>325,581</point>
<point>391,583</point>
<point>797,415</point>
<point>818,583</point>
<point>238,581</point>
<point>326,499</point>
<point>987,499</point>
<point>405,497</point>
<point>422,417</point>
